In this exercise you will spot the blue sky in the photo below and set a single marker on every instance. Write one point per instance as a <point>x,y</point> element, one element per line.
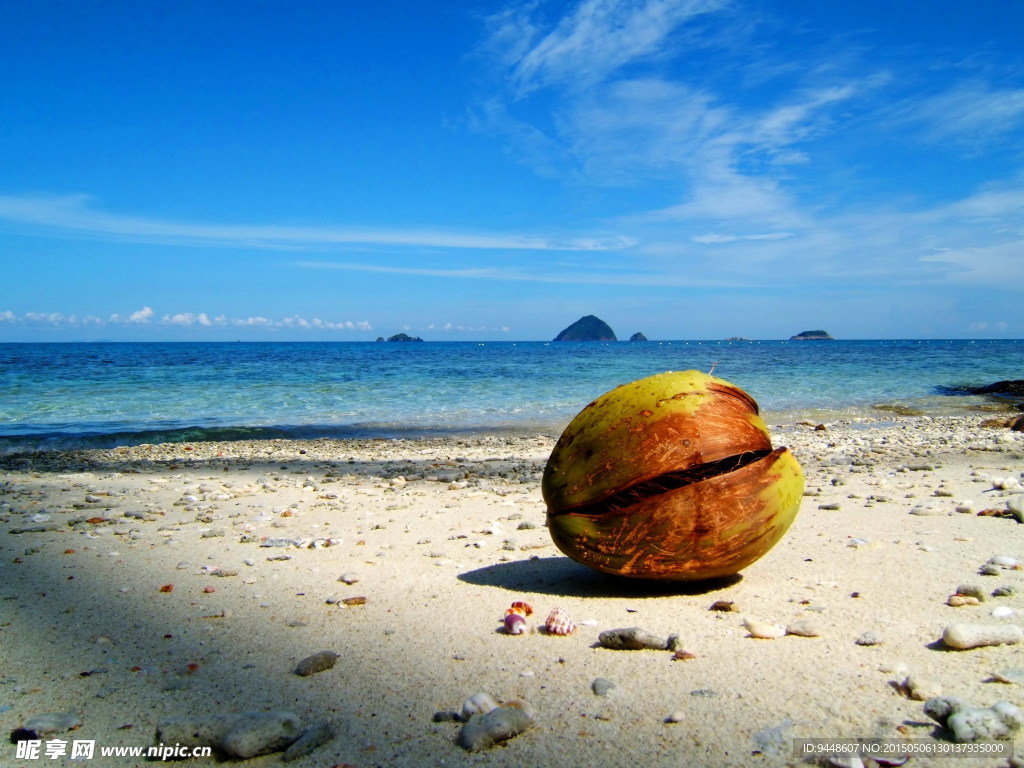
<point>478,171</point>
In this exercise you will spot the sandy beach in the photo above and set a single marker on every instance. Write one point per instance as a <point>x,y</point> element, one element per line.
<point>189,580</point>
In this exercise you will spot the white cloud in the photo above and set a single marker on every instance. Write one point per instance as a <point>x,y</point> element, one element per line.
<point>75,213</point>
<point>713,238</point>
<point>144,315</point>
<point>183,320</point>
<point>596,39</point>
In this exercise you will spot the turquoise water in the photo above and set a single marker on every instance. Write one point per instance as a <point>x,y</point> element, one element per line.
<point>54,395</point>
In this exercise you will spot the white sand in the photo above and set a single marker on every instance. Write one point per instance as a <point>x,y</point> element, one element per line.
<point>85,628</point>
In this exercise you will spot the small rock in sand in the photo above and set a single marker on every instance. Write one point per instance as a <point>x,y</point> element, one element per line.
<point>318,662</point>
<point>869,638</point>
<point>484,731</point>
<point>966,636</point>
<point>968,723</point>
<point>762,630</point>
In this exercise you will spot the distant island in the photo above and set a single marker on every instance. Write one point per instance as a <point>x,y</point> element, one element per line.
<point>738,338</point>
<point>400,337</point>
<point>811,336</point>
<point>588,328</point>
<point>638,337</point>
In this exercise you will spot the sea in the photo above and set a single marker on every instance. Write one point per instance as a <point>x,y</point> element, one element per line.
<point>58,396</point>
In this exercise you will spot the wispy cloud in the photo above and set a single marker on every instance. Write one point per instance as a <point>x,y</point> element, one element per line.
<point>147,317</point>
<point>76,213</point>
<point>596,39</point>
<point>713,238</point>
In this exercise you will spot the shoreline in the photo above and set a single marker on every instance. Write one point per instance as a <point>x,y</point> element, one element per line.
<point>439,535</point>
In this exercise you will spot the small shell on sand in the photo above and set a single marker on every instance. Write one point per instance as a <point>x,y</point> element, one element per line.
<point>514,624</point>
<point>965,636</point>
<point>558,622</point>
<point>763,630</point>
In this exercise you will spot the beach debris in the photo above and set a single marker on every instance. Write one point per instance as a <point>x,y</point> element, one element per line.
<point>483,731</point>
<point>676,717</point>
<point>514,624</point>
<point>763,630</point>
<point>634,639</point>
<point>478,704</point>
<point>349,577</point>
<point>681,655</point>
<point>601,686</point>
<point>968,723</point>
<point>318,662</point>
<point>958,600</point>
<point>1010,676</point>
<point>966,636</point>
<point>870,638</point>
<point>1002,612</point>
<point>559,622</point>
<point>634,470</point>
<point>242,735</point>
<point>314,737</point>
<point>52,722</point>
<point>920,688</point>
<point>725,606</point>
<point>803,628</point>
<point>1015,506</point>
<point>971,590</point>
<point>522,607</point>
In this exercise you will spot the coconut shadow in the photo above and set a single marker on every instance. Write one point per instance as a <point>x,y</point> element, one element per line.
<point>564,577</point>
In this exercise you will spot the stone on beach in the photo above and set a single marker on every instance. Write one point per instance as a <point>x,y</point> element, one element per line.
<point>242,735</point>
<point>969,723</point>
<point>500,724</point>
<point>318,662</point>
<point>966,636</point>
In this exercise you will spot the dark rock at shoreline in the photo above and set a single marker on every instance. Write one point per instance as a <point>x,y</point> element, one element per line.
<point>811,336</point>
<point>1010,387</point>
<point>638,337</point>
<point>587,328</point>
<point>404,337</point>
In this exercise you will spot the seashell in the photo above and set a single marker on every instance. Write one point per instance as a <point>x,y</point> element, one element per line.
<point>559,623</point>
<point>478,704</point>
<point>524,607</point>
<point>763,630</point>
<point>515,624</point>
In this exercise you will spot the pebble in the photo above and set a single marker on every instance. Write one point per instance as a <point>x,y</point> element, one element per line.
<point>318,662</point>
<point>965,636</point>
<point>314,737</point>
<point>1012,675</point>
<point>1005,591</point>
<point>1002,611</point>
<point>971,590</point>
<point>803,628</point>
<point>869,638</point>
<point>676,717</point>
<point>763,630</point>
<point>243,735</point>
<point>968,723</point>
<point>349,577</point>
<point>632,639</point>
<point>52,722</point>
<point>484,731</point>
<point>956,601</point>
<point>921,688</point>
<point>601,686</point>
